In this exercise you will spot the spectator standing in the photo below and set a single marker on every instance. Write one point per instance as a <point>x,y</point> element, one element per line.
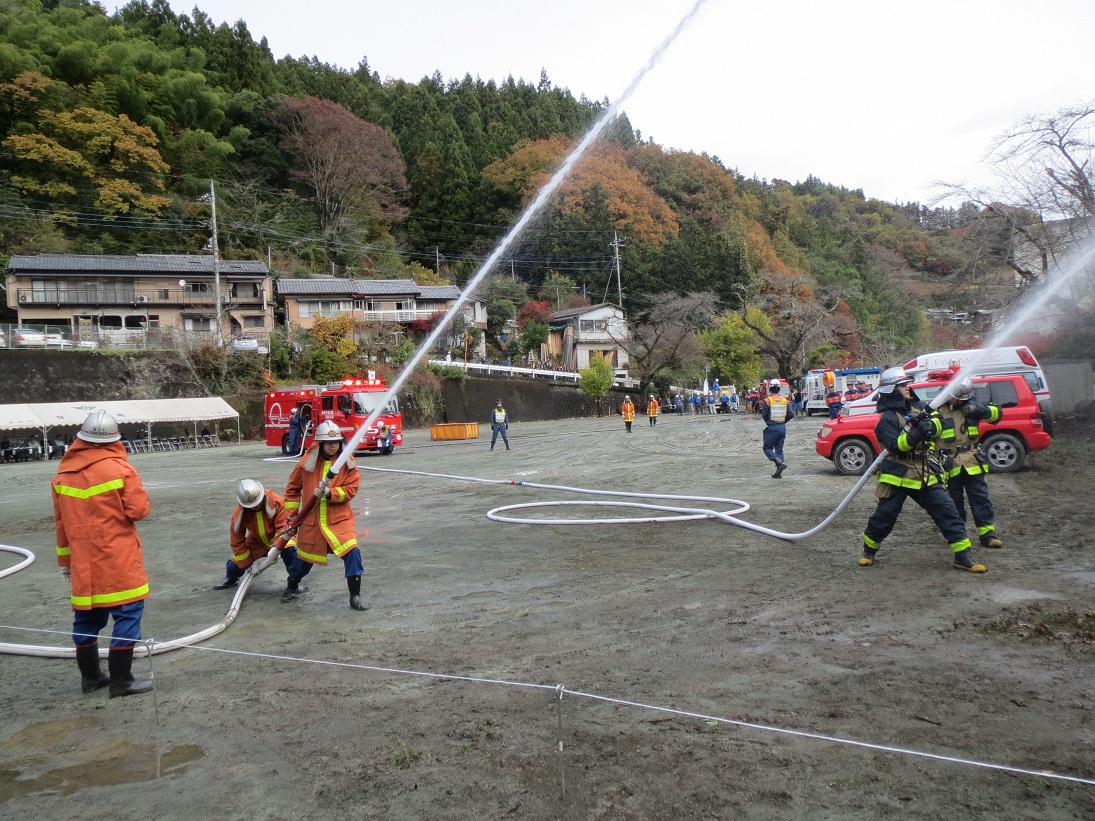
<point>330,528</point>
<point>499,424</point>
<point>384,443</point>
<point>97,500</point>
<point>294,432</point>
<point>775,410</point>
<point>711,403</point>
<point>834,401</point>
<point>627,410</point>
<point>734,402</point>
<point>678,405</point>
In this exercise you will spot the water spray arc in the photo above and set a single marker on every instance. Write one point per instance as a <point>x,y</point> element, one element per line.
<point>308,505</point>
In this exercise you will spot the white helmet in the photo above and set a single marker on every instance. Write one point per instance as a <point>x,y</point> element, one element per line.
<point>328,432</point>
<point>963,390</point>
<point>250,493</point>
<point>891,378</point>
<point>99,427</point>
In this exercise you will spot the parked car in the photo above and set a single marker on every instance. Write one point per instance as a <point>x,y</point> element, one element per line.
<point>60,341</point>
<point>247,344</point>
<point>850,443</point>
<point>3,339</point>
<point>27,338</point>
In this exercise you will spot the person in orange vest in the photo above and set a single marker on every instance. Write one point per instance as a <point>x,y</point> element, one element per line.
<point>652,408</point>
<point>330,526</point>
<point>834,400</point>
<point>256,523</point>
<point>628,411</point>
<point>97,500</point>
<point>775,410</point>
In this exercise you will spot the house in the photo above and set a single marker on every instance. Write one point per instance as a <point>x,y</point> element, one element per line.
<point>578,333</point>
<point>143,299</point>
<point>401,302</point>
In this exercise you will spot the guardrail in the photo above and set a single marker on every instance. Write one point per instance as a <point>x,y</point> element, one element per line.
<point>516,370</point>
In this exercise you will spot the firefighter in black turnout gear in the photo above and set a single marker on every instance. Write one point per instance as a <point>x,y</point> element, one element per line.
<point>911,470</point>
<point>965,464</point>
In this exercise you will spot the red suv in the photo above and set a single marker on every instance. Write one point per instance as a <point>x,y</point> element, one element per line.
<point>849,441</point>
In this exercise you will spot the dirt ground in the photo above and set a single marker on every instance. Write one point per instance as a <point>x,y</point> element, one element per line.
<point>682,647</point>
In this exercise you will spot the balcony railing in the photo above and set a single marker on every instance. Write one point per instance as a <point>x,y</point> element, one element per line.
<point>167,297</point>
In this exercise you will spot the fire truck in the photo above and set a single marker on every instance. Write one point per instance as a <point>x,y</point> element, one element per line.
<point>347,403</point>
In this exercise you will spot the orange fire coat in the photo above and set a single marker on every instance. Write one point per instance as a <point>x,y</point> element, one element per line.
<point>652,407</point>
<point>97,498</point>
<point>330,527</point>
<point>253,530</point>
<point>628,410</point>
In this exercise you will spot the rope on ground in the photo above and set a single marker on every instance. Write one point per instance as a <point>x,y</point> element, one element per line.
<point>558,690</point>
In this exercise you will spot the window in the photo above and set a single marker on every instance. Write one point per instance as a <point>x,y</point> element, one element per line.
<point>163,293</point>
<point>135,323</point>
<point>590,325</point>
<point>254,322</point>
<point>245,290</point>
<point>324,307</point>
<point>198,287</point>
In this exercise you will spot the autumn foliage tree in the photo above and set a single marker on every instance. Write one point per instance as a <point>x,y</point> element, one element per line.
<point>352,168</point>
<point>61,155</point>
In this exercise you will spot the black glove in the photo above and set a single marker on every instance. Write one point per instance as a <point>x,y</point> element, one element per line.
<point>972,411</point>
<point>926,427</point>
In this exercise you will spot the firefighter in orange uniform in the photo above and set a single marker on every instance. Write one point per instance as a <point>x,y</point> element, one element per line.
<point>330,526</point>
<point>256,522</point>
<point>628,411</point>
<point>97,499</point>
<point>652,408</point>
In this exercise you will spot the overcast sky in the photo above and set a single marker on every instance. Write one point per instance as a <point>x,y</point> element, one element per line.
<point>884,95</point>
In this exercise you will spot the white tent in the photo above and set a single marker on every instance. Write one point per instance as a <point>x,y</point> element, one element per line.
<point>43,416</point>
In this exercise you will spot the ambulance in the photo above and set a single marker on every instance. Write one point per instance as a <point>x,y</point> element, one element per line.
<point>347,403</point>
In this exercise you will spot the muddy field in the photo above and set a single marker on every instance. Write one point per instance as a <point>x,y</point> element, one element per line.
<point>686,650</point>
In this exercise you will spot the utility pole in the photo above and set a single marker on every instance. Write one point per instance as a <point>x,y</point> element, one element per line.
<point>616,243</point>
<point>437,261</point>
<point>216,266</point>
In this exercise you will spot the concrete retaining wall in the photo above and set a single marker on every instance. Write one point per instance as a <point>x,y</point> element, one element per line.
<point>1071,384</point>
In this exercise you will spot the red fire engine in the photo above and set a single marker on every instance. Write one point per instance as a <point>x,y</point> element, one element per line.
<point>347,403</point>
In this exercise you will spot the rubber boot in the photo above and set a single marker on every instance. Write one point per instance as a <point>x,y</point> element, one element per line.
<point>963,560</point>
<point>780,467</point>
<point>91,675</point>
<point>991,539</point>
<point>353,583</point>
<point>868,557</point>
<point>225,583</point>
<point>293,588</point>
<point>122,683</point>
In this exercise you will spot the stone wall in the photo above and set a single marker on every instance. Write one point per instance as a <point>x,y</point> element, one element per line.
<point>72,376</point>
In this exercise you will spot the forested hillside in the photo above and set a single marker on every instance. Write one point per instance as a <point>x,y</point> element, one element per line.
<point>112,127</point>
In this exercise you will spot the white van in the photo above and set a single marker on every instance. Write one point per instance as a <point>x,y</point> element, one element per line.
<point>986,362</point>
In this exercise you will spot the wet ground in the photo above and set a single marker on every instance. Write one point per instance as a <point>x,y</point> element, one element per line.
<point>685,650</point>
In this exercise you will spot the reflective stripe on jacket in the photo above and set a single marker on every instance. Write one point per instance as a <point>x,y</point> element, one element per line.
<point>330,527</point>
<point>97,497</point>
<point>907,465</point>
<point>961,434</point>
<point>628,410</point>
<point>253,530</point>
